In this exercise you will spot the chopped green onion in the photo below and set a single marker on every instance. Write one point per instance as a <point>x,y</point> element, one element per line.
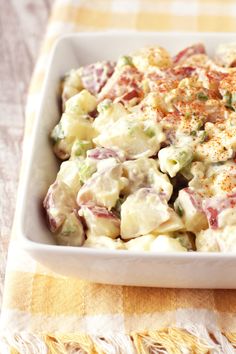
<point>68,230</point>
<point>202,136</point>
<point>183,156</point>
<point>187,115</point>
<point>228,100</point>
<point>131,130</point>
<point>104,105</point>
<point>193,133</point>
<point>125,60</point>
<point>85,172</point>
<point>80,147</point>
<point>180,210</point>
<point>202,96</point>
<point>149,132</point>
<point>200,124</point>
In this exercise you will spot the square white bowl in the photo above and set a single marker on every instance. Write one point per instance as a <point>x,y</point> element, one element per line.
<point>183,270</point>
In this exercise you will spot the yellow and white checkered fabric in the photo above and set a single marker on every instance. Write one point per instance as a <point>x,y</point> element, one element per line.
<point>44,312</point>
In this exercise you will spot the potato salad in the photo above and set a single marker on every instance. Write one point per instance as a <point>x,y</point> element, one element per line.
<point>147,148</point>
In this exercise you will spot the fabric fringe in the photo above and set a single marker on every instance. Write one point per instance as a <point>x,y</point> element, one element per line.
<point>166,341</point>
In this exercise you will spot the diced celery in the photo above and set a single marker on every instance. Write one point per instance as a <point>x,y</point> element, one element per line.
<point>185,239</point>
<point>104,105</point>
<point>179,210</point>
<point>86,171</point>
<point>228,100</point>
<point>183,157</point>
<point>202,96</point>
<point>149,132</point>
<point>193,133</point>
<point>173,159</point>
<point>202,135</point>
<point>80,147</point>
<point>68,229</point>
<point>125,60</point>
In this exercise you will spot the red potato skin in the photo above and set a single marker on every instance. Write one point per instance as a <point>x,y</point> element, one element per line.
<point>101,212</point>
<point>212,217</point>
<point>214,206</point>
<point>101,153</point>
<point>50,201</point>
<point>179,73</point>
<point>215,77</point>
<point>195,198</point>
<point>95,76</point>
<point>126,87</point>
<point>188,52</point>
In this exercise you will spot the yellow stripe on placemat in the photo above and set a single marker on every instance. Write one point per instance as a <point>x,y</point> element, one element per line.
<point>65,295</point>
<point>82,16</point>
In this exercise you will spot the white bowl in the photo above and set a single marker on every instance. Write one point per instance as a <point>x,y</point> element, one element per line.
<point>187,270</point>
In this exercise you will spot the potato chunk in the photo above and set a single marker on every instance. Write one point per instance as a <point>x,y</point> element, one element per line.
<point>102,242</point>
<point>72,232</point>
<point>173,159</point>
<point>189,206</point>
<point>100,221</point>
<point>220,240</point>
<point>135,137</point>
<point>142,212</point>
<point>103,188</point>
<point>144,172</point>
<point>61,208</point>
<point>59,202</point>
<point>165,243</point>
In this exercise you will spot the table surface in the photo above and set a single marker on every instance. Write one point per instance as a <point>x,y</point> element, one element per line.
<point>21,33</point>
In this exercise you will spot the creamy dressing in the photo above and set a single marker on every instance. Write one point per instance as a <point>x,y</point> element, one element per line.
<point>150,143</point>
